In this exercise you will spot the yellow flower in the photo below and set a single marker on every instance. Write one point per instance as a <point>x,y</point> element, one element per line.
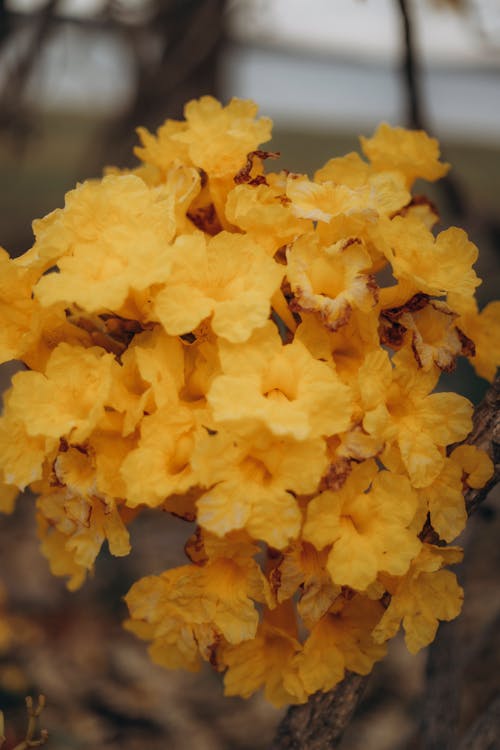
<point>346,348</point>
<point>400,409</point>
<point>165,446</point>
<point>477,467</point>
<point>435,266</point>
<point>230,278</point>
<point>219,138</point>
<point>72,529</point>
<point>69,398</point>
<point>421,598</point>
<point>368,529</point>
<point>251,485</point>
<point>327,201</point>
<point>340,640</point>
<point>151,375</point>
<point>411,152</point>
<point>16,309</point>
<point>267,661</point>
<point>331,280</point>
<point>445,501</point>
<point>264,212</point>
<point>303,567</point>
<point>429,327</point>
<point>21,455</point>
<point>280,388</point>
<point>188,610</point>
<point>211,340</point>
<point>484,330</point>
<point>163,150</point>
<point>112,237</point>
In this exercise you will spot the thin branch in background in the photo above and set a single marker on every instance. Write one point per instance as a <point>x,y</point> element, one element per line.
<point>191,35</point>
<point>411,76</point>
<point>12,104</point>
<point>411,73</point>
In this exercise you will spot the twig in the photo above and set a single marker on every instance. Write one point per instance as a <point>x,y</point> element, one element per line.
<point>11,98</point>
<point>415,110</point>
<point>410,72</point>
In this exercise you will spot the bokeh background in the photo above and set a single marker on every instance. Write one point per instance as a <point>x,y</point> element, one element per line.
<point>76,78</point>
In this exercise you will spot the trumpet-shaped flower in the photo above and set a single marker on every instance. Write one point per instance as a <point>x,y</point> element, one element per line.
<point>367,523</point>
<point>72,529</point>
<point>102,247</point>
<point>422,597</point>
<point>484,330</point>
<point>341,640</point>
<point>69,398</point>
<point>230,278</point>
<point>303,568</point>
<point>430,330</point>
<point>400,409</point>
<point>165,446</point>
<point>280,388</point>
<point>188,610</point>
<point>219,138</point>
<point>330,280</point>
<point>268,661</point>
<point>435,266</point>
<point>411,152</point>
<point>251,485</point>
<point>264,212</point>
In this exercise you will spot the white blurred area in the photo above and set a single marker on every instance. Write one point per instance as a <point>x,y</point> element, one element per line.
<point>335,63</point>
<point>312,64</point>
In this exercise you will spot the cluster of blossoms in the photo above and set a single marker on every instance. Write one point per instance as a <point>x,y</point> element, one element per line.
<point>255,353</point>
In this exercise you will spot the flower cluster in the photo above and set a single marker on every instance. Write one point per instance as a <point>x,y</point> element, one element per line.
<point>255,352</point>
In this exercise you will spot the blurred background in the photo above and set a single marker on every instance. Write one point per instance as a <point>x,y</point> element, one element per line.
<point>76,78</point>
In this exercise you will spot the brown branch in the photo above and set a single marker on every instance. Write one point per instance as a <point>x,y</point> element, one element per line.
<point>415,109</point>
<point>410,71</point>
<point>484,733</point>
<point>321,722</point>
<point>441,709</point>
<point>11,98</point>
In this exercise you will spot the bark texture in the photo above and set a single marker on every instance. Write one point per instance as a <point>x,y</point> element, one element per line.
<point>320,723</point>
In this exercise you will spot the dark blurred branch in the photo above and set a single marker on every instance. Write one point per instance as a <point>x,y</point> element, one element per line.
<point>191,35</point>
<point>441,709</point>
<point>11,98</point>
<point>410,71</point>
<point>415,111</point>
<point>485,732</point>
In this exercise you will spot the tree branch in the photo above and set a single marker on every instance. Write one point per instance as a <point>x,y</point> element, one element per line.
<point>484,733</point>
<point>410,71</point>
<point>321,722</point>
